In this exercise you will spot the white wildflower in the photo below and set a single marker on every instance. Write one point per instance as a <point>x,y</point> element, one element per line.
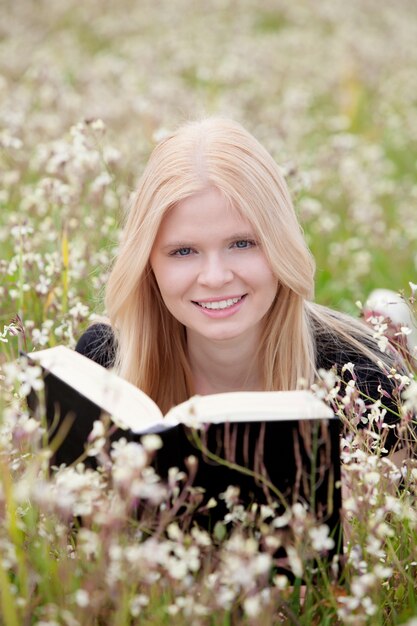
<point>410,397</point>
<point>176,568</point>
<point>404,330</point>
<point>382,342</point>
<point>128,458</point>
<point>230,496</point>
<point>373,546</point>
<point>361,585</point>
<point>189,556</point>
<point>102,181</point>
<point>151,442</point>
<point>350,505</point>
<point>261,564</point>
<point>97,431</point>
<point>393,505</point>
<point>82,598</point>
<point>252,606</point>
<point>10,329</point>
<point>225,597</point>
<point>31,378</point>
<point>201,537</point>
<point>272,542</point>
<point>88,543</point>
<point>11,372</point>
<point>382,571</point>
<point>369,606</point>
<point>29,425</point>
<point>281,582</point>
<point>76,490</point>
<point>174,532</point>
<point>351,604</point>
<point>372,478</point>
<point>98,125</point>
<point>43,286</point>
<point>111,155</point>
<point>173,609</point>
<point>21,231</point>
<point>79,311</point>
<point>329,378</point>
<point>384,530</point>
<point>299,511</point>
<point>295,562</point>
<point>137,603</point>
<point>320,539</point>
<point>282,520</point>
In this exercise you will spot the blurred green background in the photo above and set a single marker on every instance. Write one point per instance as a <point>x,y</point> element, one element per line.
<point>329,87</point>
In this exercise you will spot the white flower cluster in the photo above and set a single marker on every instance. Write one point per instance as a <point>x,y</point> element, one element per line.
<point>26,376</point>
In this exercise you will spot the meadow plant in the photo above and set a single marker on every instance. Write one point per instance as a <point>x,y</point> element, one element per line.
<point>86,89</point>
<point>75,550</point>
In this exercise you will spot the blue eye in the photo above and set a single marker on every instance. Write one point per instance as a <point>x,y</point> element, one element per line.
<point>243,244</point>
<point>181,252</point>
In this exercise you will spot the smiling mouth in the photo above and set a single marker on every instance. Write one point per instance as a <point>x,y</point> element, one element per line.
<point>219,304</point>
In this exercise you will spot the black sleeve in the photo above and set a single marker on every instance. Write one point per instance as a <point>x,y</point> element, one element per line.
<point>98,344</point>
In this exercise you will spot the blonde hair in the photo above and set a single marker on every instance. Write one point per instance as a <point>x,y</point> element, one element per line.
<point>151,344</point>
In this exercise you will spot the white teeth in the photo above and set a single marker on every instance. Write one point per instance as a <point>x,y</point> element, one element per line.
<point>221,304</point>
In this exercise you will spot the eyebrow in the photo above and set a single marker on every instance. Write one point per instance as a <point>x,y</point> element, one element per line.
<point>178,244</point>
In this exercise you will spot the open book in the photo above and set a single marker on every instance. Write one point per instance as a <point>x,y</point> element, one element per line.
<point>132,409</point>
<point>287,440</point>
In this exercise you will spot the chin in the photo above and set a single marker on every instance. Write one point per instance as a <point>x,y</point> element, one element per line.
<point>224,336</point>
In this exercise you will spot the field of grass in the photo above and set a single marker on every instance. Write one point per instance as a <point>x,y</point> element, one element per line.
<point>86,90</point>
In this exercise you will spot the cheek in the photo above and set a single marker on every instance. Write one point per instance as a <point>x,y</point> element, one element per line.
<point>172,283</point>
<point>260,274</point>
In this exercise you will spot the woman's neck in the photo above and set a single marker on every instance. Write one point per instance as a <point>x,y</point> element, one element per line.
<point>223,366</point>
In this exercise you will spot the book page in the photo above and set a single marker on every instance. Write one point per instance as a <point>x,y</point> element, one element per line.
<point>129,406</point>
<point>250,406</point>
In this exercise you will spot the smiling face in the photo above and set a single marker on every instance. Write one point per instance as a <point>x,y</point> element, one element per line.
<point>210,269</point>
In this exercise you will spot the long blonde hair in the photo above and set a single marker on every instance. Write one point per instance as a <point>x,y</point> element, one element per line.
<point>151,344</point>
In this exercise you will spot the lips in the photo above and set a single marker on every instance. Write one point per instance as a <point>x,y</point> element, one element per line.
<point>218,304</point>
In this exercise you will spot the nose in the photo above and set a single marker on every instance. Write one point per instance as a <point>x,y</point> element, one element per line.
<point>215,272</point>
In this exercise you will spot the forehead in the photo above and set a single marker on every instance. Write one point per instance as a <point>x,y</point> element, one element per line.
<point>201,214</point>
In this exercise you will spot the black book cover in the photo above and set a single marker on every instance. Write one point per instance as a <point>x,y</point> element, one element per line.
<point>299,459</point>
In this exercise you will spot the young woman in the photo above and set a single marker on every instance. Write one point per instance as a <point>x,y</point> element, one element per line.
<point>212,287</point>
<point>212,290</point>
